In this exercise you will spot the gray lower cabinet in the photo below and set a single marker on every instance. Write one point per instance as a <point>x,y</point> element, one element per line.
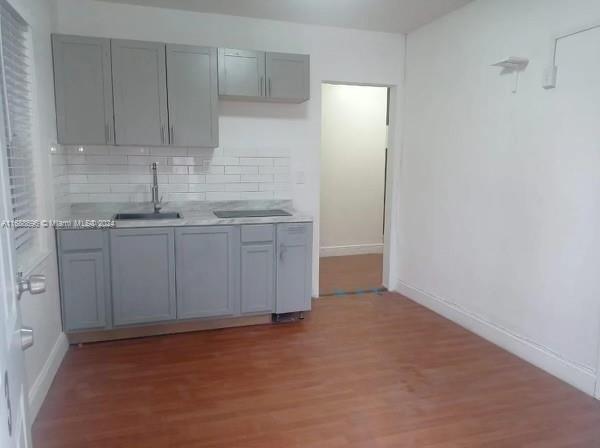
<point>84,279</point>
<point>143,275</point>
<point>288,77</point>
<point>258,268</point>
<point>124,277</point>
<point>207,271</point>
<point>294,267</point>
<point>83,90</point>
<point>140,92</point>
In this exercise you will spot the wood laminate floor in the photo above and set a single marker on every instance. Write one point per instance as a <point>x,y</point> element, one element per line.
<point>360,371</point>
<point>350,273</point>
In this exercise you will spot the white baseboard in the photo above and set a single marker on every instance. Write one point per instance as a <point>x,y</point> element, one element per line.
<point>579,376</point>
<point>355,249</point>
<point>41,385</point>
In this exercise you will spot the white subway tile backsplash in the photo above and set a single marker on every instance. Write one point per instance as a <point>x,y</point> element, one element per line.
<point>116,174</point>
<point>186,197</point>
<point>196,179</point>
<point>281,178</point>
<point>130,188</point>
<point>241,169</point>
<point>241,187</point>
<point>89,188</point>
<point>197,188</point>
<point>223,196</point>
<point>273,170</point>
<point>225,161</point>
<point>257,195</point>
<point>275,187</point>
<point>256,161</point>
<point>127,151</point>
<point>76,179</point>
<point>224,178</point>
<point>179,178</point>
<point>105,160</point>
<point>257,178</point>
<point>174,188</point>
<point>168,151</point>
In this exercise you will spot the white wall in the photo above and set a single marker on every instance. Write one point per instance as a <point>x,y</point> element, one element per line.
<point>353,142</point>
<point>500,193</point>
<point>336,55</point>
<point>42,312</point>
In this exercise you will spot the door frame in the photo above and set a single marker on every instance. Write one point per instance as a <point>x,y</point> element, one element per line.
<point>10,319</point>
<point>394,152</point>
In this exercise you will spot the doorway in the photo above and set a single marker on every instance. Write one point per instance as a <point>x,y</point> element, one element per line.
<point>354,138</point>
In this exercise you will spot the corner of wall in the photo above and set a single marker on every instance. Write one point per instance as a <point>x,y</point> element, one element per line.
<point>540,356</point>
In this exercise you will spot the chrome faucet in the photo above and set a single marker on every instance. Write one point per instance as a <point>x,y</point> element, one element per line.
<point>156,202</point>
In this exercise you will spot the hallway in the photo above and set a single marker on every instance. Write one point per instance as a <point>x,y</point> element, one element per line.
<point>350,274</point>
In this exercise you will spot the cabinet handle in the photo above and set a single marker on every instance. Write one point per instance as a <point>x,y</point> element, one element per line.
<point>26,334</point>
<point>172,137</point>
<point>269,86</point>
<point>282,249</point>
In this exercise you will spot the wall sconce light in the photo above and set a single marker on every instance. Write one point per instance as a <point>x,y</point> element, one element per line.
<point>513,65</point>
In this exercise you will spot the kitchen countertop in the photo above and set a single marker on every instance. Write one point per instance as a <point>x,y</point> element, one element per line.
<point>83,215</point>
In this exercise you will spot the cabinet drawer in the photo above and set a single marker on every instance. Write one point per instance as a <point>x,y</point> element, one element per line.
<point>295,233</point>
<point>71,240</point>
<point>257,233</point>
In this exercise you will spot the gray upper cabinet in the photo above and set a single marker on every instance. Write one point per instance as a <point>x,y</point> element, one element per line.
<point>207,271</point>
<point>83,90</point>
<point>288,77</point>
<point>277,77</point>
<point>143,275</point>
<point>241,73</point>
<point>192,96</point>
<point>294,261</point>
<point>140,93</point>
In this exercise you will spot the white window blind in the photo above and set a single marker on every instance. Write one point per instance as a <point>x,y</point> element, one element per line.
<point>16,100</point>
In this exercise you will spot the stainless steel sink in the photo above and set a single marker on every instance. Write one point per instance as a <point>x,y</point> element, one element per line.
<point>250,213</point>
<point>146,216</point>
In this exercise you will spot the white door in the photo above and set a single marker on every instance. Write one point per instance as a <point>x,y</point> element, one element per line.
<point>14,424</point>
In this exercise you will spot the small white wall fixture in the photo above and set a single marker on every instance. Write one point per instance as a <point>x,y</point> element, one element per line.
<point>551,72</point>
<point>514,65</point>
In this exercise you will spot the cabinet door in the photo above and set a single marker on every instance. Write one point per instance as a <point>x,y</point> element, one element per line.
<point>84,290</point>
<point>241,73</point>
<point>207,271</point>
<point>288,77</point>
<point>140,93</point>
<point>192,91</point>
<point>143,275</point>
<point>258,282</point>
<point>83,90</point>
<point>294,264</point>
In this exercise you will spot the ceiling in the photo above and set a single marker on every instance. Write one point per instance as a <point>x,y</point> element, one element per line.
<point>395,16</point>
